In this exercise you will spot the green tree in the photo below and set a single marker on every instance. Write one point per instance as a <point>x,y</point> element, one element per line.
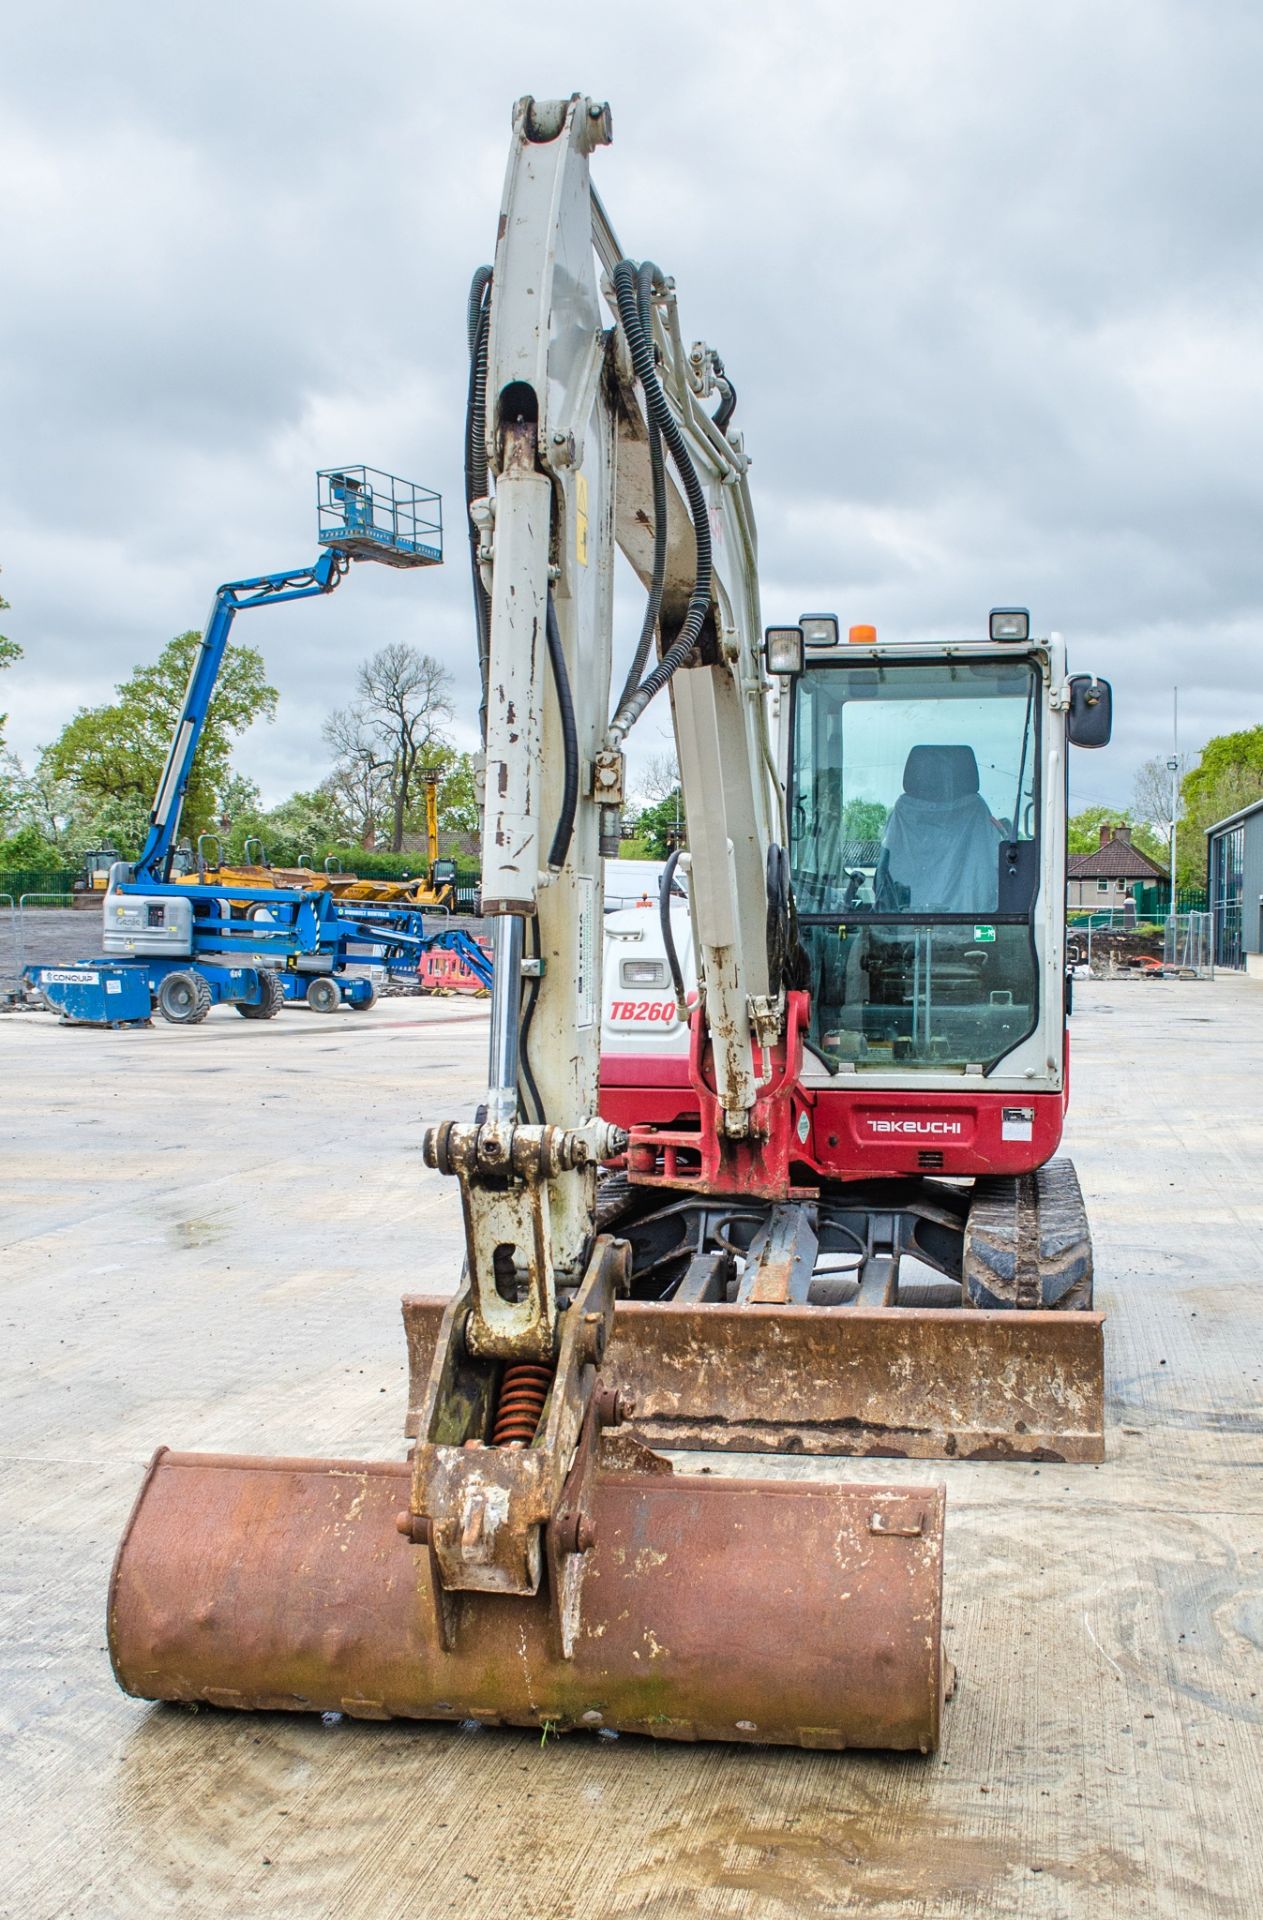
<point>662,826</point>
<point>459,811</point>
<point>864,820</point>
<point>113,755</point>
<point>1228,775</point>
<point>304,827</point>
<point>1226,754</point>
<point>9,652</point>
<point>1083,833</point>
<point>28,848</point>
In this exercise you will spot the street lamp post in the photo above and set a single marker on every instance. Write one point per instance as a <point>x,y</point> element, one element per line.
<point>1173,768</point>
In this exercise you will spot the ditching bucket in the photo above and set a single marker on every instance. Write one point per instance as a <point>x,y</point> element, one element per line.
<point>790,1613</point>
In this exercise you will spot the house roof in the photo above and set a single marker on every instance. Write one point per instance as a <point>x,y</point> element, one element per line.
<point>1116,860</point>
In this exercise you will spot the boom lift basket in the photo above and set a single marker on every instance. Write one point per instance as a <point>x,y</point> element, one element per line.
<point>370,515</point>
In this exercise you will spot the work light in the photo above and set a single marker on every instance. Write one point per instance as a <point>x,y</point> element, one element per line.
<point>819,629</point>
<point>1010,623</point>
<point>783,649</point>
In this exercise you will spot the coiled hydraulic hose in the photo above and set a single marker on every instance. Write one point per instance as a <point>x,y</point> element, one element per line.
<point>478,320</point>
<point>569,739</point>
<point>627,293</point>
<point>645,278</point>
<point>477,297</point>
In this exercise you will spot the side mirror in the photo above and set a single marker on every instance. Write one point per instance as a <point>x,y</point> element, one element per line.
<point>1091,718</point>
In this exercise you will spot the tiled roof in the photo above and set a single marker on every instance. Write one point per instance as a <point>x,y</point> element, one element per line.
<point>1116,860</point>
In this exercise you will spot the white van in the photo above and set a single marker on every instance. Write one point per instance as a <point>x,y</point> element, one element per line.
<point>634,883</point>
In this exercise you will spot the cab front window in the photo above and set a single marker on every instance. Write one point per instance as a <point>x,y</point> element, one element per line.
<point>914,803</point>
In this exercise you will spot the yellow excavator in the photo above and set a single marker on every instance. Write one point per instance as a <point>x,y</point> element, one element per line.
<point>436,891</point>
<point>695,1278</point>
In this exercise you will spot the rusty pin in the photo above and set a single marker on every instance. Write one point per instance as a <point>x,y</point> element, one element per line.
<point>594,1338</point>
<point>613,1407</point>
<point>576,1533</point>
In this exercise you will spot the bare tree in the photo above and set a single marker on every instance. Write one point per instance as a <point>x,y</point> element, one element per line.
<point>360,781</point>
<point>403,700</point>
<point>661,777</point>
<point>1151,795</point>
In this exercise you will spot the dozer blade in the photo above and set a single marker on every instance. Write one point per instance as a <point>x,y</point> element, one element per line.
<point>795,1614</point>
<point>935,1383</point>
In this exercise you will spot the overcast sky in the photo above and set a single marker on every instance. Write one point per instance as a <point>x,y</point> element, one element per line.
<point>987,276</point>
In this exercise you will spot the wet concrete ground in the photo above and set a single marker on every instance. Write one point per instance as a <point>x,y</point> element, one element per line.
<point>205,1235</point>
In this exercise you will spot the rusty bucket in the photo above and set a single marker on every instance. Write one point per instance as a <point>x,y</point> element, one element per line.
<point>802,1613</point>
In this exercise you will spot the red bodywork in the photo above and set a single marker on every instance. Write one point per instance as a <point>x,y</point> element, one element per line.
<point>852,1131</point>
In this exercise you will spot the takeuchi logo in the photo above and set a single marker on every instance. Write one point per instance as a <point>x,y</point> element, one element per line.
<point>939,1128</point>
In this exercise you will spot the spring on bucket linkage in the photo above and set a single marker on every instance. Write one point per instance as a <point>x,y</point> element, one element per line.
<point>523,1392</point>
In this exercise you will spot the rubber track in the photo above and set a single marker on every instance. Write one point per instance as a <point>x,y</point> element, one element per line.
<point>1027,1243</point>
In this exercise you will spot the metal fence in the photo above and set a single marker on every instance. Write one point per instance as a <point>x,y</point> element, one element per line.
<point>1188,945</point>
<point>34,899</point>
<point>1110,920</point>
<point>13,973</point>
<point>1153,902</point>
<point>16,881</point>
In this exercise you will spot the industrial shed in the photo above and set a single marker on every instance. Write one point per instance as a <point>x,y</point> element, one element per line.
<point>1234,849</point>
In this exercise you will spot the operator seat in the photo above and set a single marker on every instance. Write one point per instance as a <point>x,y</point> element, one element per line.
<point>939,851</point>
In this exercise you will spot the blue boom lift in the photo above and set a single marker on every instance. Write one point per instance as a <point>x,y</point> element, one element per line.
<point>186,949</point>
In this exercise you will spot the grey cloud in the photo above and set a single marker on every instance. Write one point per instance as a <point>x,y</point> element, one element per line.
<point>987,278</point>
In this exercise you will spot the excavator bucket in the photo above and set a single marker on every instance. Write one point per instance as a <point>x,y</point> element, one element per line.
<point>790,1613</point>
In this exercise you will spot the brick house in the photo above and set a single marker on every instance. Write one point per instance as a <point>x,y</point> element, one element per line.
<point>1109,876</point>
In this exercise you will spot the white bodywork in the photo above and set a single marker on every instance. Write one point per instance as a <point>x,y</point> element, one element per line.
<point>638,1012</point>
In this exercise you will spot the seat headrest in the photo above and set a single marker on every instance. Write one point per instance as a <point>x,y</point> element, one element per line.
<point>940,773</point>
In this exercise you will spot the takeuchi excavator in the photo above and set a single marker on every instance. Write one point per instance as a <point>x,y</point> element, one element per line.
<point>744,1246</point>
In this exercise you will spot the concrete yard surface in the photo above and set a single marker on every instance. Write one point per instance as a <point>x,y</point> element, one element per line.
<point>206,1232</point>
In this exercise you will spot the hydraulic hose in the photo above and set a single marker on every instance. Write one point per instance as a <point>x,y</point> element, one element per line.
<point>728,397</point>
<point>668,936</point>
<point>478,320</point>
<point>569,738</point>
<point>524,1046</point>
<point>645,278</point>
<point>477,294</point>
<point>627,292</point>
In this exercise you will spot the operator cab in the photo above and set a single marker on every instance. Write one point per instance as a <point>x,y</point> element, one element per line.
<point>915,816</point>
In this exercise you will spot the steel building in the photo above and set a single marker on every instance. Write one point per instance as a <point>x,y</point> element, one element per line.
<point>1235,868</point>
